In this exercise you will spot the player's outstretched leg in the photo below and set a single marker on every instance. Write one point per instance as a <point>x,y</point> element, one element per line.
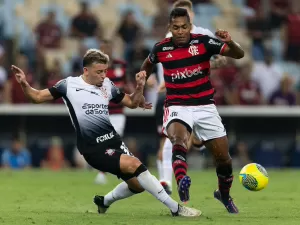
<point>219,148</point>
<point>131,165</point>
<point>179,135</point>
<point>166,182</point>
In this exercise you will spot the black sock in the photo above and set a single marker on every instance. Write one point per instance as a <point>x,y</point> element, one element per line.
<point>225,179</point>
<point>179,162</point>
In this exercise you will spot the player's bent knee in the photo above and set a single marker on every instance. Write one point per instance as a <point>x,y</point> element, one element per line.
<point>129,164</point>
<point>178,140</point>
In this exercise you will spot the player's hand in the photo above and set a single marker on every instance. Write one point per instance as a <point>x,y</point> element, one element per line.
<point>20,75</point>
<point>145,105</point>
<point>140,78</point>
<point>223,35</point>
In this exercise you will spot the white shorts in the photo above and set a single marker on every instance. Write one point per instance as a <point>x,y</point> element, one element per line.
<point>118,121</point>
<point>204,120</point>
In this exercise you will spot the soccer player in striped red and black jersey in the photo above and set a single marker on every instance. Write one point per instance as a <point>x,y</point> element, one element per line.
<point>189,102</point>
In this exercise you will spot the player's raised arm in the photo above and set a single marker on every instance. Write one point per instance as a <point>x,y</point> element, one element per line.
<point>137,99</point>
<point>232,49</point>
<point>35,96</point>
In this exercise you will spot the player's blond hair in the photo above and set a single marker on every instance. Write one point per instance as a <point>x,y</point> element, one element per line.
<point>183,3</point>
<point>95,56</point>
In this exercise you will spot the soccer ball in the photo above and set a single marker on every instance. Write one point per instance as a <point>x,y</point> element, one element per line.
<point>254,177</point>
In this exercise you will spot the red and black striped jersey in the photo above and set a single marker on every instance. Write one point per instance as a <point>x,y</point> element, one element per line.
<point>117,74</point>
<point>187,69</point>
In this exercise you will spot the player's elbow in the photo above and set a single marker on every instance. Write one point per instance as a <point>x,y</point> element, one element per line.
<point>37,99</point>
<point>240,55</point>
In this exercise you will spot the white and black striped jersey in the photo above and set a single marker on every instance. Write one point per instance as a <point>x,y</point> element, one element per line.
<point>88,108</point>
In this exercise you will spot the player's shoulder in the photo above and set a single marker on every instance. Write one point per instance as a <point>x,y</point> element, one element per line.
<point>71,80</point>
<point>164,45</point>
<point>107,82</point>
<point>163,42</point>
<point>62,82</point>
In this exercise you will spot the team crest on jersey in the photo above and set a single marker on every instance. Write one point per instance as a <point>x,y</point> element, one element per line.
<point>193,50</point>
<point>110,152</point>
<point>103,92</point>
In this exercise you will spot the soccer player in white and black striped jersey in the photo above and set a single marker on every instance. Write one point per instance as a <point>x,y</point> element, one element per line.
<point>87,98</point>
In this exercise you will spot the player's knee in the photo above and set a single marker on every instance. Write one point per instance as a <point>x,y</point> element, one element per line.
<point>178,140</point>
<point>130,165</point>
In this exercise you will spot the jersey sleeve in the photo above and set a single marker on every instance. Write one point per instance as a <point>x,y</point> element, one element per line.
<point>59,89</point>
<point>213,45</point>
<point>153,55</point>
<point>116,94</point>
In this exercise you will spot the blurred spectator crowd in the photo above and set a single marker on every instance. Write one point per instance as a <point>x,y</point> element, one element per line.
<point>56,155</point>
<point>48,41</point>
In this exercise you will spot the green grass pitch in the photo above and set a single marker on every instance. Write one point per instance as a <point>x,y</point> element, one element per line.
<point>65,198</point>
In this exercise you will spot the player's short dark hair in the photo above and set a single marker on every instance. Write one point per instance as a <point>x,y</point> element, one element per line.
<point>183,3</point>
<point>94,56</point>
<point>179,12</point>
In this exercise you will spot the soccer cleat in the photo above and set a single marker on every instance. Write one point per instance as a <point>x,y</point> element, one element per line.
<point>166,187</point>
<point>186,212</point>
<point>99,201</point>
<point>229,204</point>
<point>183,188</point>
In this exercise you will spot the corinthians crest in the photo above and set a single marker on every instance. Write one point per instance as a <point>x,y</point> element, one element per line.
<point>103,92</point>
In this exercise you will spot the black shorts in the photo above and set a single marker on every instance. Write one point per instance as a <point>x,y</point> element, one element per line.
<point>108,160</point>
<point>159,111</point>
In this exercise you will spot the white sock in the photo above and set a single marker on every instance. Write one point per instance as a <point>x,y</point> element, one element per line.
<point>121,191</point>
<point>167,163</point>
<point>160,169</point>
<point>153,186</point>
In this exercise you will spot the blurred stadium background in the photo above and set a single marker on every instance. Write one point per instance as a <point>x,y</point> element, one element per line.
<point>258,97</point>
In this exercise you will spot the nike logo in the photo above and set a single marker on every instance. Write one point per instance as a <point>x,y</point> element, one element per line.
<point>92,92</point>
<point>160,191</point>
